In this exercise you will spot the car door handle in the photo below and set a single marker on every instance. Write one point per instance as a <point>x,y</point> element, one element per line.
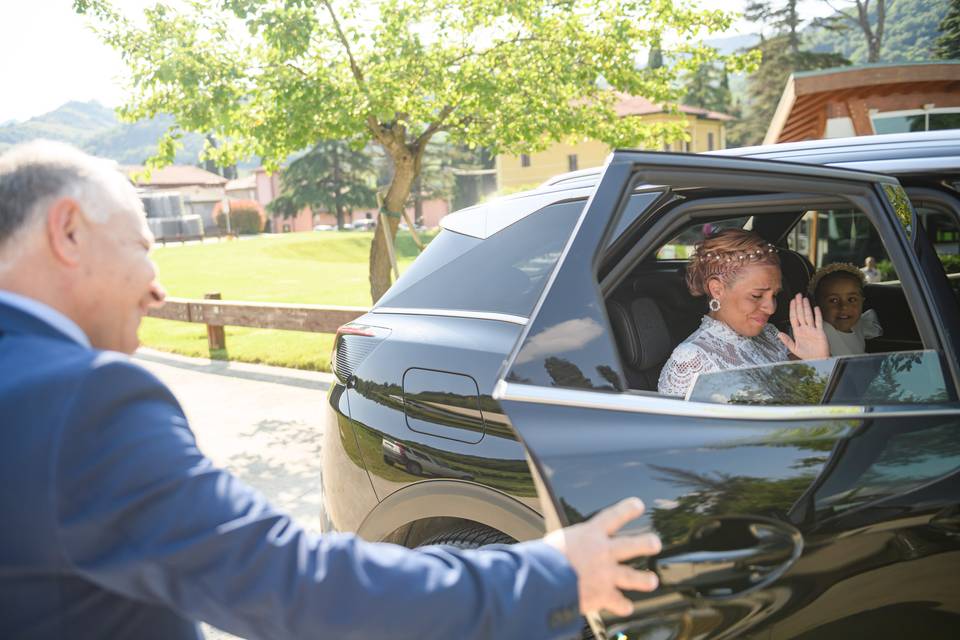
<point>728,556</point>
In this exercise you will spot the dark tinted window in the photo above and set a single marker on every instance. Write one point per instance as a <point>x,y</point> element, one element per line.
<point>503,274</point>
<point>638,203</point>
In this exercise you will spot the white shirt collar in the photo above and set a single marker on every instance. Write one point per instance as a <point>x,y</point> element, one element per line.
<point>47,314</point>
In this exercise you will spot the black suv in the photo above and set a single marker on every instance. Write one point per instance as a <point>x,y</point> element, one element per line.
<point>520,355</point>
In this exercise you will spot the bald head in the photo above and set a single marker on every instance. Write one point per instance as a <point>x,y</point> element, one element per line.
<point>73,236</point>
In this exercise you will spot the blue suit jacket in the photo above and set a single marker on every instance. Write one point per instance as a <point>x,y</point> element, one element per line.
<point>116,526</point>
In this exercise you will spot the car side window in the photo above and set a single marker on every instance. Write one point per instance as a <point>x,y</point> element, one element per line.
<point>908,377</point>
<point>681,246</point>
<point>840,235</point>
<point>504,273</point>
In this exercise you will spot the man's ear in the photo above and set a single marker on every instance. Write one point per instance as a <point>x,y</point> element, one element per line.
<point>65,223</point>
<point>715,287</point>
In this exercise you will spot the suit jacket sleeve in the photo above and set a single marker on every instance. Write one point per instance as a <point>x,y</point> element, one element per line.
<point>144,513</point>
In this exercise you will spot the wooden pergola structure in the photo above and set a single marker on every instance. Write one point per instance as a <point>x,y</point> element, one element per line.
<point>812,99</point>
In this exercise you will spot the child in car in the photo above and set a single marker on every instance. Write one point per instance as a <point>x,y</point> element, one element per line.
<point>838,290</point>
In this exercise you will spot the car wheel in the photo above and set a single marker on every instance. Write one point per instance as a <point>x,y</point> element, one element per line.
<point>479,536</point>
<point>414,468</point>
<point>470,538</point>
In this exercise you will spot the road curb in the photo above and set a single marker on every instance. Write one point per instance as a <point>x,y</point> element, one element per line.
<point>264,373</point>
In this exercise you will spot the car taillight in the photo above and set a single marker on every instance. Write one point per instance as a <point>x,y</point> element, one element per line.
<point>353,343</point>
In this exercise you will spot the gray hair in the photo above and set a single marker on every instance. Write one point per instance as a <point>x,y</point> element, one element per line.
<point>34,174</point>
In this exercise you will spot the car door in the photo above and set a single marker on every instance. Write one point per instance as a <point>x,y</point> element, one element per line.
<point>790,520</point>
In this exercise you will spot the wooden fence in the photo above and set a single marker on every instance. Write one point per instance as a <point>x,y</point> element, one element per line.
<point>217,313</point>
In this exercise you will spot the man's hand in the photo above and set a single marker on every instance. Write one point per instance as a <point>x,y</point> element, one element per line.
<point>595,556</point>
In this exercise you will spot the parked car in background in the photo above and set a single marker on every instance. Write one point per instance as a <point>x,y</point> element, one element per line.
<point>324,227</point>
<point>364,224</point>
<point>523,347</point>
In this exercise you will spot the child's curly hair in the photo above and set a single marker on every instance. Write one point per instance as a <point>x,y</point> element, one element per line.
<point>724,255</point>
<point>835,269</point>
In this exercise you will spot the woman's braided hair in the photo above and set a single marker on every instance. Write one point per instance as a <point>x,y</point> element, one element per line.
<point>724,255</point>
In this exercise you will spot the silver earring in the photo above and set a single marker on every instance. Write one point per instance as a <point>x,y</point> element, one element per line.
<point>714,304</point>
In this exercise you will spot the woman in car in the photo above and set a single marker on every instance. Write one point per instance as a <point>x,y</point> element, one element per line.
<point>740,272</point>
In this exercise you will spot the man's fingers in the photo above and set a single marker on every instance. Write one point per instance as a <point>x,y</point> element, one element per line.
<point>619,605</point>
<point>630,579</point>
<point>627,547</point>
<point>818,317</point>
<point>794,321</point>
<point>613,518</point>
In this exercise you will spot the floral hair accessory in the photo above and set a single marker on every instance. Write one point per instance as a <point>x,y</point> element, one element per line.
<point>836,267</point>
<point>734,256</point>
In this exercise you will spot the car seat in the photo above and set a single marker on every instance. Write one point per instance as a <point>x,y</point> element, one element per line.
<point>642,337</point>
<point>796,271</point>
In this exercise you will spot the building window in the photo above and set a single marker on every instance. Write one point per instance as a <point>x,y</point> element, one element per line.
<point>916,120</point>
<point>710,146</point>
<point>572,162</point>
<point>524,160</point>
<point>686,147</point>
<point>666,146</point>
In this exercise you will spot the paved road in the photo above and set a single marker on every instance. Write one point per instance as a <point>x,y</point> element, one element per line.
<point>261,423</point>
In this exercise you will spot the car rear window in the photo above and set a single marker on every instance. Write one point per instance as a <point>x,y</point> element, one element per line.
<point>504,273</point>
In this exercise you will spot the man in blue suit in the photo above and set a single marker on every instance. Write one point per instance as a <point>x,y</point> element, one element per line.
<point>115,524</point>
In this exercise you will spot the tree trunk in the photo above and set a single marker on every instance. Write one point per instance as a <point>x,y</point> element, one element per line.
<point>417,201</point>
<point>337,188</point>
<point>873,35</point>
<point>405,170</point>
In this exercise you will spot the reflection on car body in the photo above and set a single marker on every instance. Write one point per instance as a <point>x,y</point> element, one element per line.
<point>794,500</point>
<point>419,463</point>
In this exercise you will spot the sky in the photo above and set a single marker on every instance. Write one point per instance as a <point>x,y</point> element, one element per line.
<point>48,56</point>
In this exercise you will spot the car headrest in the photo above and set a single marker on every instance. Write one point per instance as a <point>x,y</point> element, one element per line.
<point>641,332</point>
<point>795,269</point>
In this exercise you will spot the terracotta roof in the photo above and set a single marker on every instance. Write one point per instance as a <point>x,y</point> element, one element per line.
<point>801,112</point>
<point>638,106</point>
<point>177,175</point>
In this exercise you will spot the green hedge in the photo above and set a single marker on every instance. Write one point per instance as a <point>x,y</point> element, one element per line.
<point>245,221</point>
<point>951,264</point>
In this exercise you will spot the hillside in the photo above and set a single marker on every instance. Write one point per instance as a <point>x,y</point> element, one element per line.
<point>910,28</point>
<point>96,129</point>
<point>72,122</point>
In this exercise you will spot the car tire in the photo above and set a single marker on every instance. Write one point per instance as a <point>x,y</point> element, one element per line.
<point>469,538</point>
<point>414,468</point>
<point>480,536</point>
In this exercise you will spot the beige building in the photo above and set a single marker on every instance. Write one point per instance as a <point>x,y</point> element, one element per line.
<point>706,129</point>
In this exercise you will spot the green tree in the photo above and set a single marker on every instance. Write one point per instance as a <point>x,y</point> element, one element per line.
<point>870,22</point>
<point>781,56</point>
<point>781,15</point>
<point>948,44</point>
<point>330,177</point>
<point>514,76</point>
<point>708,88</point>
<point>911,28</point>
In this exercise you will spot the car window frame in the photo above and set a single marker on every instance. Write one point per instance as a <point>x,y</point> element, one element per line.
<point>625,173</point>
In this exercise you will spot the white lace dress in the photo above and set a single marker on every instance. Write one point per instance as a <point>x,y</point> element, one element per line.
<point>716,347</point>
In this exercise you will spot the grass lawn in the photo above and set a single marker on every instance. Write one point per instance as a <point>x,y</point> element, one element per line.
<point>313,268</point>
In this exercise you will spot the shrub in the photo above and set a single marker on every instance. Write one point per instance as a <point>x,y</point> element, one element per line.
<point>242,220</point>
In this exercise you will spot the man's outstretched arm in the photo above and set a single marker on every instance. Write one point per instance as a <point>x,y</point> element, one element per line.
<point>143,513</point>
